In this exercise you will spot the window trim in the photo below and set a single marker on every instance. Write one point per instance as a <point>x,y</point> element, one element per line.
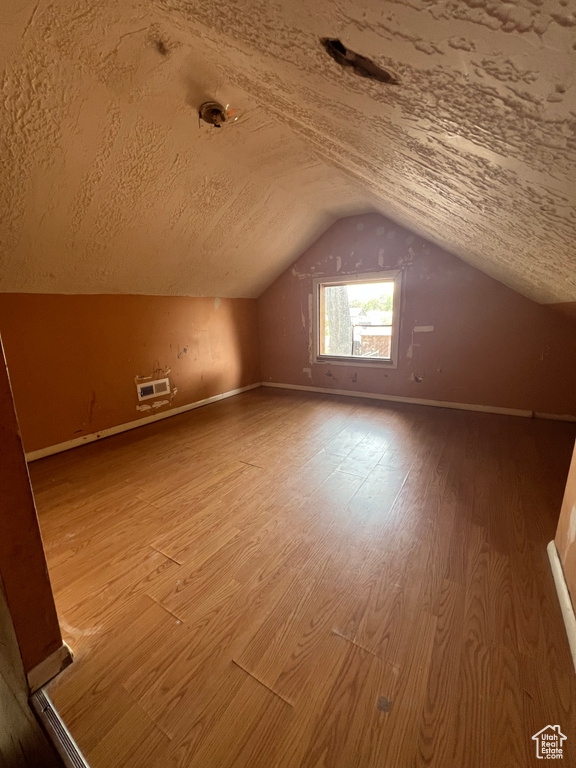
<point>371,277</point>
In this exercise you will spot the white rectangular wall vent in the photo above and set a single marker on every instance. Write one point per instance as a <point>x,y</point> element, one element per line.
<point>148,389</point>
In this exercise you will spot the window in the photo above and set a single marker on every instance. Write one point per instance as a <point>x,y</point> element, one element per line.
<point>357,318</point>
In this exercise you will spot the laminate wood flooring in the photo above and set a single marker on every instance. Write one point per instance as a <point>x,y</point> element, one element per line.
<point>292,580</point>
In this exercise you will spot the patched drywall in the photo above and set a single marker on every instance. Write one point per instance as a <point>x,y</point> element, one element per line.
<point>109,185</point>
<point>464,337</point>
<point>75,361</point>
<point>566,533</point>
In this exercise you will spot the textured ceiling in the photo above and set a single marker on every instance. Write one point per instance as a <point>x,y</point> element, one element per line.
<point>108,184</point>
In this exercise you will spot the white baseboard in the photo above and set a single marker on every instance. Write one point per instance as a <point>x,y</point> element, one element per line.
<point>564,598</point>
<point>410,400</point>
<point>60,447</point>
<point>49,668</point>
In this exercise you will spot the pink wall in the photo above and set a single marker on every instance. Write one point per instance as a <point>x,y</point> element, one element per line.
<point>73,359</point>
<point>490,345</point>
<point>566,533</point>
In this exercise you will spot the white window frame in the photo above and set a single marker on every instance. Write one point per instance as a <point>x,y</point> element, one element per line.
<point>394,276</point>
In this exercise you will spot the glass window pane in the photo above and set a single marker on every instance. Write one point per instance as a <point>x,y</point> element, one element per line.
<point>356,319</point>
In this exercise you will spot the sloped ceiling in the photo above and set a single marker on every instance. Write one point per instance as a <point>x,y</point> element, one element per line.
<point>110,185</point>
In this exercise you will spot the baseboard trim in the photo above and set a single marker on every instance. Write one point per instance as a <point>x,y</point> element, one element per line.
<point>56,729</point>
<point>49,668</point>
<point>60,447</point>
<point>554,416</point>
<point>564,598</point>
<point>398,399</point>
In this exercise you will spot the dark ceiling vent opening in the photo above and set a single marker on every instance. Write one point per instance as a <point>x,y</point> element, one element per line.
<point>161,47</point>
<point>359,64</point>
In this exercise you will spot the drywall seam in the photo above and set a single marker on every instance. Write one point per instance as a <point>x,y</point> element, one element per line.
<point>564,598</point>
<point>412,400</point>
<point>60,447</point>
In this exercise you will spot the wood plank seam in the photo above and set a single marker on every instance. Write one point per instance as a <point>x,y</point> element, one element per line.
<point>261,682</point>
<point>363,648</point>
<point>168,557</point>
<point>174,616</point>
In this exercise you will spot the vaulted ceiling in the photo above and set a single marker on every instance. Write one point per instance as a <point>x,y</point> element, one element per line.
<point>110,184</point>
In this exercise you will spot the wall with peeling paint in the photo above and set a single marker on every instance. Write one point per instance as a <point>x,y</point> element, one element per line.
<point>74,360</point>
<point>490,345</point>
<point>566,533</point>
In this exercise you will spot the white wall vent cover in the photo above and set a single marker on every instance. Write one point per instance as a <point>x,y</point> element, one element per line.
<point>148,389</point>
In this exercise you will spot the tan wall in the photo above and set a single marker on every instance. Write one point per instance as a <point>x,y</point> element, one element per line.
<point>566,533</point>
<point>490,345</point>
<point>23,568</point>
<point>73,359</point>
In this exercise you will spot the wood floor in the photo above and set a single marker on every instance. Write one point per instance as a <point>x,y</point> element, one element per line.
<point>289,580</point>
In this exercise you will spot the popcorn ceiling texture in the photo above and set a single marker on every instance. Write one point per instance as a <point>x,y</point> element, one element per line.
<point>109,185</point>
